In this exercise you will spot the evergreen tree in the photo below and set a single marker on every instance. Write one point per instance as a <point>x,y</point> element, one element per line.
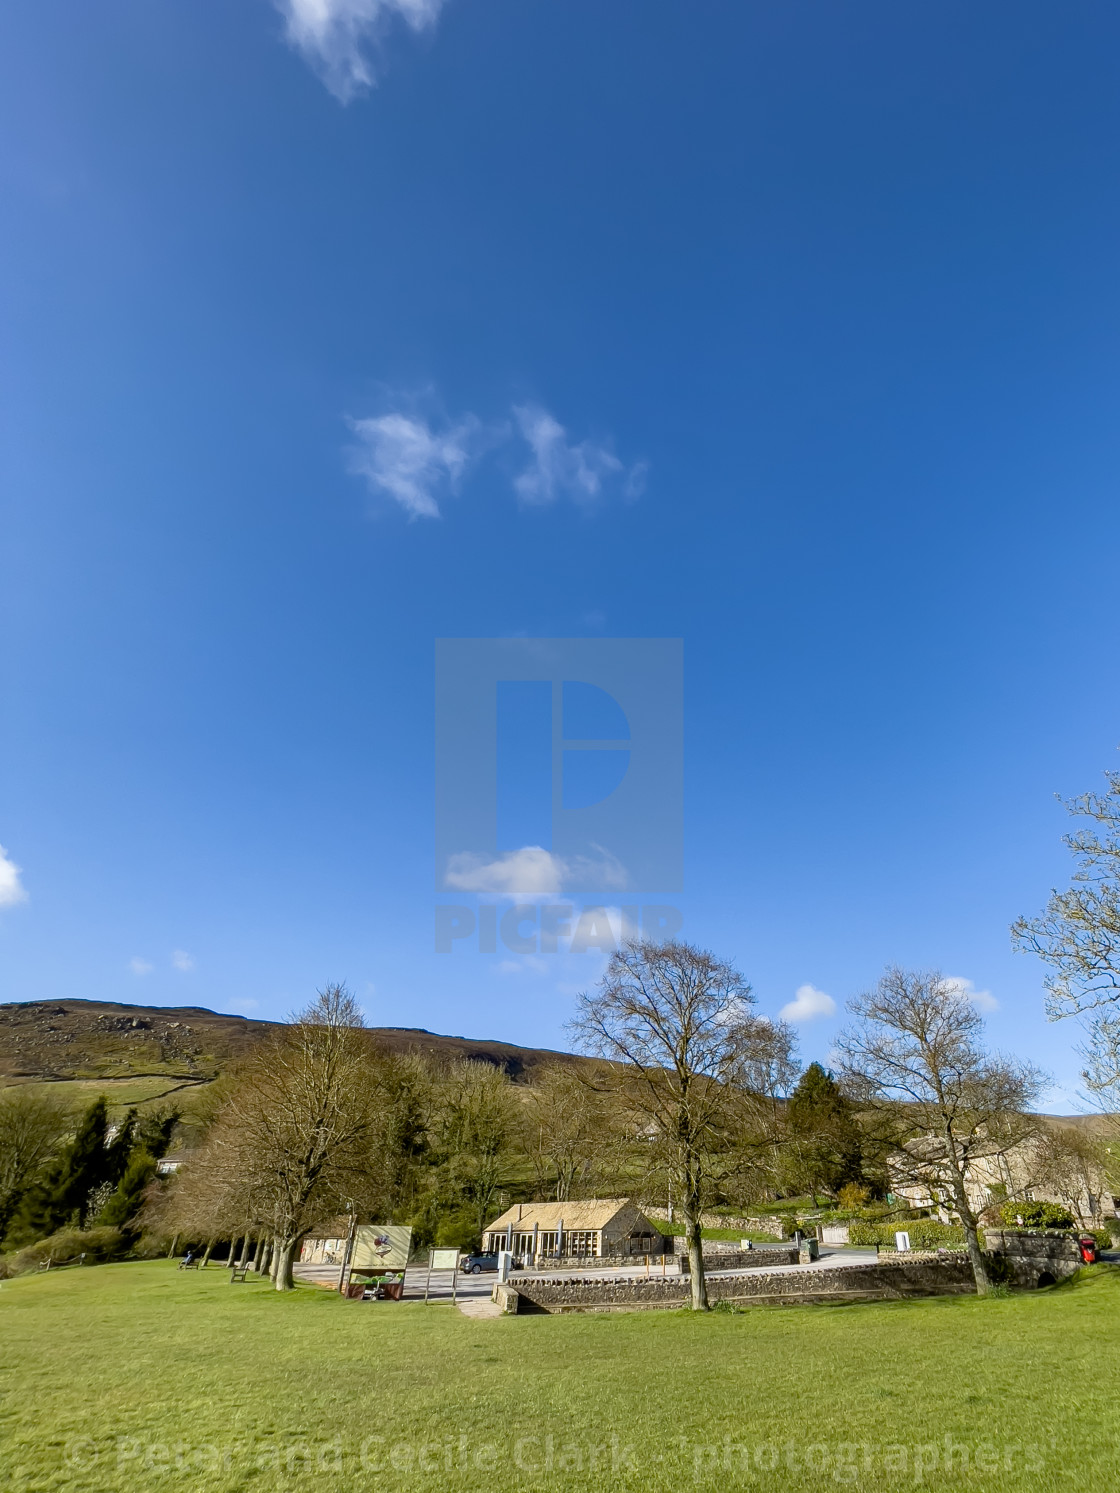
<point>119,1150</point>
<point>124,1204</point>
<point>825,1150</point>
<point>155,1129</point>
<point>86,1166</point>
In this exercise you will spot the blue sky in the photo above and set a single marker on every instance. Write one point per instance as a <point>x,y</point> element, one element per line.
<point>789,331</point>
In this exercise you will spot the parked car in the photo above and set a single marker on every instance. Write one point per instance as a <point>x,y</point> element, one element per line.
<point>476,1264</point>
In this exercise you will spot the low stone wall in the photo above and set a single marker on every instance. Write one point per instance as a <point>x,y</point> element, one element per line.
<point>733,1258</point>
<point>937,1276</point>
<point>774,1226</point>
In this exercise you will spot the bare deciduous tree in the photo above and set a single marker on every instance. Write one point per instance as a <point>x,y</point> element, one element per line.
<point>915,1058</point>
<point>474,1123</point>
<point>678,1025</point>
<point>569,1130</point>
<point>32,1128</point>
<point>297,1137</point>
<point>1078,935</point>
<point>1071,1163</point>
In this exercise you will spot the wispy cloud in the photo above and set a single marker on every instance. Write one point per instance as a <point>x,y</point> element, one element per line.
<point>341,38</point>
<point>983,1000</point>
<point>11,888</point>
<point>182,961</point>
<point>140,966</point>
<point>534,871</point>
<point>416,460</point>
<point>807,1004</point>
<point>403,457</point>
<point>563,468</point>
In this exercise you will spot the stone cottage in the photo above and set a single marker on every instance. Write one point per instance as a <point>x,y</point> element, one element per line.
<point>602,1228</point>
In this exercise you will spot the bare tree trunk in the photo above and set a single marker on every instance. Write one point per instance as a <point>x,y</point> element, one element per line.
<point>283,1277</point>
<point>266,1256</point>
<point>234,1250</point>
<point>174,1247</point>
<point>275,1262</point>
<point>972,1237</point>
<point>206,1255</point>
<point>691,1212</point>
<point>254,1262</point>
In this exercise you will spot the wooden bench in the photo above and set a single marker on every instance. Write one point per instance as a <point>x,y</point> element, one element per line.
<point>238,1272</point>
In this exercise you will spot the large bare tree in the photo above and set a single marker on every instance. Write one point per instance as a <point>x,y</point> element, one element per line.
<point>678,1027</point>
<point>914,1057</point>
<point>297,1138</point>
<point>1078,935</point>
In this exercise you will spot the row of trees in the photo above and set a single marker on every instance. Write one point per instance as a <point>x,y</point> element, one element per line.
<point>919,1092</point>
<point>694,1097</point>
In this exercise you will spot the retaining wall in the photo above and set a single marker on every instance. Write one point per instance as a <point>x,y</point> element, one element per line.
<point>884,1282</point>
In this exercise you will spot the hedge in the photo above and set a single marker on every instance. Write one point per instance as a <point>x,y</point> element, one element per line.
<point>925,1233</point>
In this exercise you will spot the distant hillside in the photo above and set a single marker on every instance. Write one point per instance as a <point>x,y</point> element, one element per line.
<point>42,1041</point>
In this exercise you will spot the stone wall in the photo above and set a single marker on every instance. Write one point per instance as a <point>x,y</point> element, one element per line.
<point>1034,1259</point>
<point>729,1257</point>
<point>937,1276</point>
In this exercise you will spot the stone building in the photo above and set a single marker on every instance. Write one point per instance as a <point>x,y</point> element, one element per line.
<point>602,1228</point>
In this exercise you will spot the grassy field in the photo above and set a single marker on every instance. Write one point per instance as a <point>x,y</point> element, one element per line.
<point>122,1093</point>
<point>137,1377</point>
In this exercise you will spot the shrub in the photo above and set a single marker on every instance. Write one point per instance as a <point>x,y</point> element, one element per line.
<point>1036,1215</point>
<point>66,1246</point>
<point>925,1233</point>
<point>853,1195</point>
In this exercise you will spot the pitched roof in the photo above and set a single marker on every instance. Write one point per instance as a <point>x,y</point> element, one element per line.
<point>595,1213</point>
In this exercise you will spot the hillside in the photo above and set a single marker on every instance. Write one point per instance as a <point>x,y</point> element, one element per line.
<point>80,1040</point>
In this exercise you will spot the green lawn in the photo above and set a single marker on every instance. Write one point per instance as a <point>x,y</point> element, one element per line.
<point>135,1376</point>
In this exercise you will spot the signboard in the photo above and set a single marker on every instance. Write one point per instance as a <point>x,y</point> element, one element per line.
<point>381,1246</point>
<point>444,1259</point>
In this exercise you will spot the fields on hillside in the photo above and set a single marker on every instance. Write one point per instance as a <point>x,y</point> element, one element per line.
<point>136,1376</point>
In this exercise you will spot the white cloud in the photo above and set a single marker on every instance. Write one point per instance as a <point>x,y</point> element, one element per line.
<point>336,37</point>
<point>807,1004</point>
<point>140,966</point>
<point>560,468</point>
<point>983,1000</point>
<point>415,460</point>
<point>182,960</point>
<point>534,871</point>
<point>403,457</point>
<point>11,888</point>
